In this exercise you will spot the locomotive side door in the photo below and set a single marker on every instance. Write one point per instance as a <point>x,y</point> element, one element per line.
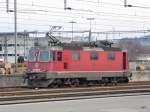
<point>124,60</point>
<point>59,66</point>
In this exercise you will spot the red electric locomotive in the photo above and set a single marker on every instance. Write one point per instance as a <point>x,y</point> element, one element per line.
<point>77,64</point>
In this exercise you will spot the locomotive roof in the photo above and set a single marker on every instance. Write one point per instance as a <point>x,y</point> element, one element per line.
<point>99,45</point>
<point>91,48</point>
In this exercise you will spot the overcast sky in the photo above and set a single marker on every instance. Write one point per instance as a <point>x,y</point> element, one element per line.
<point>108,14</point>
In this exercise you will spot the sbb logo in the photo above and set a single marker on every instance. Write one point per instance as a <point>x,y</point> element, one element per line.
<point>36,65</point>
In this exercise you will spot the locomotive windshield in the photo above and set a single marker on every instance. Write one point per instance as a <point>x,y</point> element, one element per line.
<point>31,56</point>
<point>41,55</point>
<point>44,56</point>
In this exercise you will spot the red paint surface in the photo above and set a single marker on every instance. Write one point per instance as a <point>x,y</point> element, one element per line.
<point>84,64</point>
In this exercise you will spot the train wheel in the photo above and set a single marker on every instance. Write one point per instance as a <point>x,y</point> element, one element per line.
<point>114,81</point>
<point>75,83</point>
<point>126,80</point>
<point>105,81</point>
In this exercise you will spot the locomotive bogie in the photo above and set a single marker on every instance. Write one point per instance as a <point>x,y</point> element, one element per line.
<point>75,79</point>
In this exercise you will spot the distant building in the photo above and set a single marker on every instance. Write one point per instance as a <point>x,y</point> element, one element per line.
<point>141,62</point>
<point>7,45</point>
<point>144,60</point>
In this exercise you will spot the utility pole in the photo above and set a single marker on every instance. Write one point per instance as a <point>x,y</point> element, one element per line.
<point>5,38</point>
<point>125,3</point>
<point>27,43</point>
<point>5,50</point>
<point>113,30</point>
<point>65,4</point>
<point>90,30</point>
<point>7,6</point>
<point>15,27</point>
<point>15,34</point>
<point>72,22</point>
<point>25,35</point>
<point>106,36</point>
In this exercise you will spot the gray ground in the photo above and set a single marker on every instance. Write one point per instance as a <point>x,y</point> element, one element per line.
<point>111,104</point>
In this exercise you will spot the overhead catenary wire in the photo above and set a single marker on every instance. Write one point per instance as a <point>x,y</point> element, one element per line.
<point>60,12</point>
<point>38,12</point>
<point>67,21</point>
<point>62,22</point>
<point>78,23</point>
<point>86,12</point>
<point>84,23</point>
<point>115,4</point>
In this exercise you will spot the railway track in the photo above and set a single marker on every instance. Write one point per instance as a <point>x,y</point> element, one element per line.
<point>72,96</point>
<point>26,89</point>
<point>68,90</point>
<point>17,94</point>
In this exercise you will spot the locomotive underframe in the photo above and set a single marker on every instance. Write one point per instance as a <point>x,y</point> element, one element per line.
<point>75,78</point>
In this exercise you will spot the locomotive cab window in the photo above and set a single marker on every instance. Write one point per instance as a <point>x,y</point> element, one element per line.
<point>31,56</point>
<point>76,56</point>
<point>111,55</point>
<point>44,56</point>
<point>94,56</point>
<point>59,56</point>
